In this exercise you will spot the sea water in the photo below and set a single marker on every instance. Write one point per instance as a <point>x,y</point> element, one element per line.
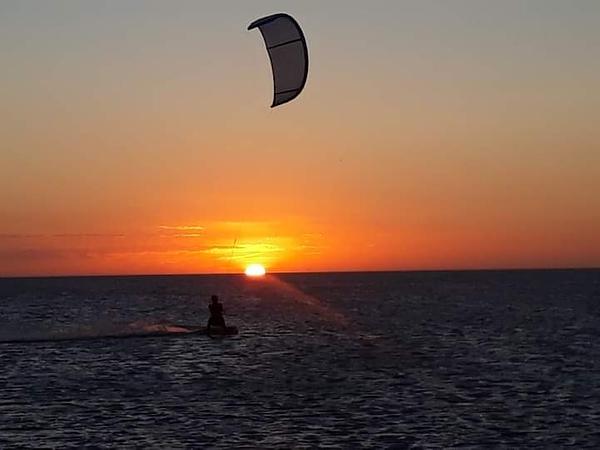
<point>355,360</point>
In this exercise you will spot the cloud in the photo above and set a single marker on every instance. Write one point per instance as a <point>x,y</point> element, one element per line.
<point>254,247</point>
<point>182,227</point>
<point>19,236</point>
<point>245,223</point>
<point>245,251</point>
<point>35,255</point>
<point>87,235</point>
<point>58,235</point>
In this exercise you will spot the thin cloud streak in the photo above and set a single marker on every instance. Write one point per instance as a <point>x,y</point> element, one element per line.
<point>60,235</point>
<point>182,227</point>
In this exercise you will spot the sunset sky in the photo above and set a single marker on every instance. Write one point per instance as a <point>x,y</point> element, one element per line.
<point>136,137</point>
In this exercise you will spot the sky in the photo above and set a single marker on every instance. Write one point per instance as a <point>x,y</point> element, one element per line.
<point>136,137</point>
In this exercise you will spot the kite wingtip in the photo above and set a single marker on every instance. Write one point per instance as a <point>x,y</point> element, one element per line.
<point>267,19</point>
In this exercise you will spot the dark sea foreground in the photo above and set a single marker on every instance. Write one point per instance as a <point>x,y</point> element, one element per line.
<point>360,360</point>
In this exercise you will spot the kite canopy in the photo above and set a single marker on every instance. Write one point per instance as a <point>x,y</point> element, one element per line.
<point>288,52</point>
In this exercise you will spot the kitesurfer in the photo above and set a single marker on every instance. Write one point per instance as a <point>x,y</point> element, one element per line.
<point>216,313</point>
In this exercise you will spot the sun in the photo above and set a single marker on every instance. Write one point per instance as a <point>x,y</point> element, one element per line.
<point>255,270</point>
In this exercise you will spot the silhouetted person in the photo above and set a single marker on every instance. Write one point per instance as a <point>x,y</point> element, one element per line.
<point>216,313</point>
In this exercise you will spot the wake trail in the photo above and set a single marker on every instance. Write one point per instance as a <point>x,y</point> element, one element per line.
<point>147,331</point>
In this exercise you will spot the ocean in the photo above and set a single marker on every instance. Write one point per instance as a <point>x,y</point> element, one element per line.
<point>503,359</point>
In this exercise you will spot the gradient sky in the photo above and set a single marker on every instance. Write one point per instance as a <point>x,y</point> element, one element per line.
<point>136,137</point>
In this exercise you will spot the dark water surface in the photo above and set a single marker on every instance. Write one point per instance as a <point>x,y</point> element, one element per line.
<point>378,360</point>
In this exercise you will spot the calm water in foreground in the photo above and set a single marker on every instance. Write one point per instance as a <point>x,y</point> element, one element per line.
<point>378,360</point>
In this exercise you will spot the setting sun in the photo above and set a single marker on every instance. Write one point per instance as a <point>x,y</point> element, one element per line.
<point>255,270</point>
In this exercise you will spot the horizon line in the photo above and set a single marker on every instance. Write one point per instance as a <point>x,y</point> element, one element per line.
<point>207,274</point>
